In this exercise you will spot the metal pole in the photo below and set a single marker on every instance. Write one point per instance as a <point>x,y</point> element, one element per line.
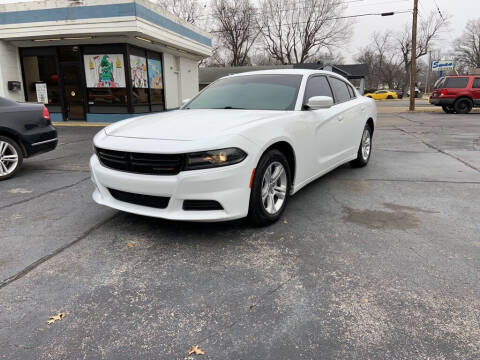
<point>428,71</point>
<point>413,69</point>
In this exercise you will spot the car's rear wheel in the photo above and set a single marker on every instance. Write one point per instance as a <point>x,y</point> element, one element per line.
<point>463,106</point>
<point>448,109</point>
<point>389,97</point>
<point>11,158</point>
<point>365,148</point>
<point>270,188</point>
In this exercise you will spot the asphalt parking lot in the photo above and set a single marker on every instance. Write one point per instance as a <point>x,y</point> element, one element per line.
<point>374,263</point>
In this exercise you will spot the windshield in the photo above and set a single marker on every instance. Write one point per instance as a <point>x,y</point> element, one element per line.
<point>252,92</point>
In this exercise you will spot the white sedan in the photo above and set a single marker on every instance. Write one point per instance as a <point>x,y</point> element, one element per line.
<point>239,148</point>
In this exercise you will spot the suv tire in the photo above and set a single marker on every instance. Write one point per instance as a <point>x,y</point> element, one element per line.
<point>448,109</point>
<point>463,106</point>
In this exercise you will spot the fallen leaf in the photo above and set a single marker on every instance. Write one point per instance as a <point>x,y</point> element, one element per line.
<point>196,350</point>
<point>54,318</point>
<point>130,245</point>
<point>364,300</point>
<point>285,221</point>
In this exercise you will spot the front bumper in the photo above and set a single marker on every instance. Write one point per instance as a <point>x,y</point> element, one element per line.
<point>228,185</point>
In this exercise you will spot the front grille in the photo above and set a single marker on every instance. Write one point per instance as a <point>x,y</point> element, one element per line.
<point>159,202</point>
<point>150,164</point>
<point>199,205</point>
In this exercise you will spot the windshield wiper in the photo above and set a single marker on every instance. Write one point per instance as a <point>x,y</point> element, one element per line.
<point>234,108</point>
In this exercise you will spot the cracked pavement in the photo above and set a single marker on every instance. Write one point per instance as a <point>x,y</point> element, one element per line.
<point>373,263</point>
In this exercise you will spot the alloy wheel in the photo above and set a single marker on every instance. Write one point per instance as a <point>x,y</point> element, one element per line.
<point>274,188</point>
<point>366,144</point>
<point>8,158</point>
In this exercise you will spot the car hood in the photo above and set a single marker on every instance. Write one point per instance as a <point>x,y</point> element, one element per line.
<point>188,125</point>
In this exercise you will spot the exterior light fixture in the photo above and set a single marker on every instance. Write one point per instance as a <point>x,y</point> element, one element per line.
<point>78,38</point>
<point>143,39</point>
<point>42,40</point>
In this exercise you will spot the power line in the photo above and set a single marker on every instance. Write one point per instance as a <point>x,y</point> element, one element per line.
<point>327,19</point>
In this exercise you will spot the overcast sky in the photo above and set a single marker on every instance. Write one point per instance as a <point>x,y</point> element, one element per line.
<point>459,12</point>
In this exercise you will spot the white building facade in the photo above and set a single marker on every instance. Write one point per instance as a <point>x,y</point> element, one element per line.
<point>98,60</point>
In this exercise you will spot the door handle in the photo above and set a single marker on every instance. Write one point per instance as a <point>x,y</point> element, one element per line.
<point>340,117</point>
<point>362,108</point>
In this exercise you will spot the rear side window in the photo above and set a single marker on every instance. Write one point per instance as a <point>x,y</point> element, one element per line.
<point>476,83</point>
<point>317,86</point>
<point>456,83</point>
<point>340,90</point>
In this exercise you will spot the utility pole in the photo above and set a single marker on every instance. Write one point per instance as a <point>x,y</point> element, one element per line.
<point>413,69</point>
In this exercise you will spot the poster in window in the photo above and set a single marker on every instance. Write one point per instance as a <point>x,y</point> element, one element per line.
<point>42,93</point>
<point>155,74</point>
<point>105,71</point>
<point>138,69</point>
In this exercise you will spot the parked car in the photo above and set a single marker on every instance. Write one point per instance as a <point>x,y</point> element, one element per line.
<point>399,93</point>
<point>239,148</point>
<point>25,130</point>
<point>417,92</point>
<point>457,94</point>
<point>382,95</point>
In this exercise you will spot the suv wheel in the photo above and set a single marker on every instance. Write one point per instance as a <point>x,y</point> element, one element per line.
<point>463,106</point>
<point>11,158</point>
<point>270,188</point>
<point>448,109</point>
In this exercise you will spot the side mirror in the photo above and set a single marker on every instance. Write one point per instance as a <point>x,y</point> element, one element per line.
<point>319,102</point>
<point>185,102</point>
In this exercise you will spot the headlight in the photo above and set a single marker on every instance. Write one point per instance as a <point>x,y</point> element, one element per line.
<point>214,158</point>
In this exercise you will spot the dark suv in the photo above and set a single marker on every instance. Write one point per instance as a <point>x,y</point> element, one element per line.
<point>457,94</point>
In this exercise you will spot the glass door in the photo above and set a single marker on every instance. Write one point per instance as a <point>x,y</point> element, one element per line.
<point>73,92</point>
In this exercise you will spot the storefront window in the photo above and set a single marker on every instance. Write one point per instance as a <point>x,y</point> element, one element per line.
<point>41,70</point>
<point>139,76</point>
<point>105,77</point>
<point>155,81</point>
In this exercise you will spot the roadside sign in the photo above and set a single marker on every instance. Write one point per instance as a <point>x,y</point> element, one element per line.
<point>42,93</point>
<point>442,65</point>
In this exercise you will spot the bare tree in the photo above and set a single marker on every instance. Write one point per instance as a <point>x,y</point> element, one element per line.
<point>427,32</point>
<point>236,29</point>
<point>294,31</point>
<point>467,47</point>
<point>188,10</point>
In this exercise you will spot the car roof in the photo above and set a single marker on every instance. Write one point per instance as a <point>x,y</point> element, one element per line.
<point>303,72</point>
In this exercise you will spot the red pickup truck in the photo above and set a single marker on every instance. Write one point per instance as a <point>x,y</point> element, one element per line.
<point>457,94</point>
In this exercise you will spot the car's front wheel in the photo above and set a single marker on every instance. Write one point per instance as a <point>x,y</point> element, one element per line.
<point>365,148</point>
<point>11,158</point>
<point>270,188</point>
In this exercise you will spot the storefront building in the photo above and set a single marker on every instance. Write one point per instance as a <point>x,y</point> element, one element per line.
<point>98,61</point>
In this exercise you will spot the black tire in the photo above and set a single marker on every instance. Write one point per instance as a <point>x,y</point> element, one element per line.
<point>361,160</point>
<point>257,214</point>
<point>463,106</point>
<point>448,109</point>
<point>10,151</point>
<point>389,97</point>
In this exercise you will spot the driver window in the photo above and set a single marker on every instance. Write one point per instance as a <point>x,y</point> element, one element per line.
<point>317,86</point>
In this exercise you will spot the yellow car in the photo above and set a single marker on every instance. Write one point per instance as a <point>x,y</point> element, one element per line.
<point>382,94</point>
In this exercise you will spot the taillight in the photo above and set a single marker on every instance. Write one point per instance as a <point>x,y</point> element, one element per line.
<point>444,92</point>
<point>46,115</point>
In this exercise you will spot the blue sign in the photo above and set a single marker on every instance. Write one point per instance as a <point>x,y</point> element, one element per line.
<point>442,65</point>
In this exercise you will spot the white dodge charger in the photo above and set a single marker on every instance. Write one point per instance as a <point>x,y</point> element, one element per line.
<point>239,148</point>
